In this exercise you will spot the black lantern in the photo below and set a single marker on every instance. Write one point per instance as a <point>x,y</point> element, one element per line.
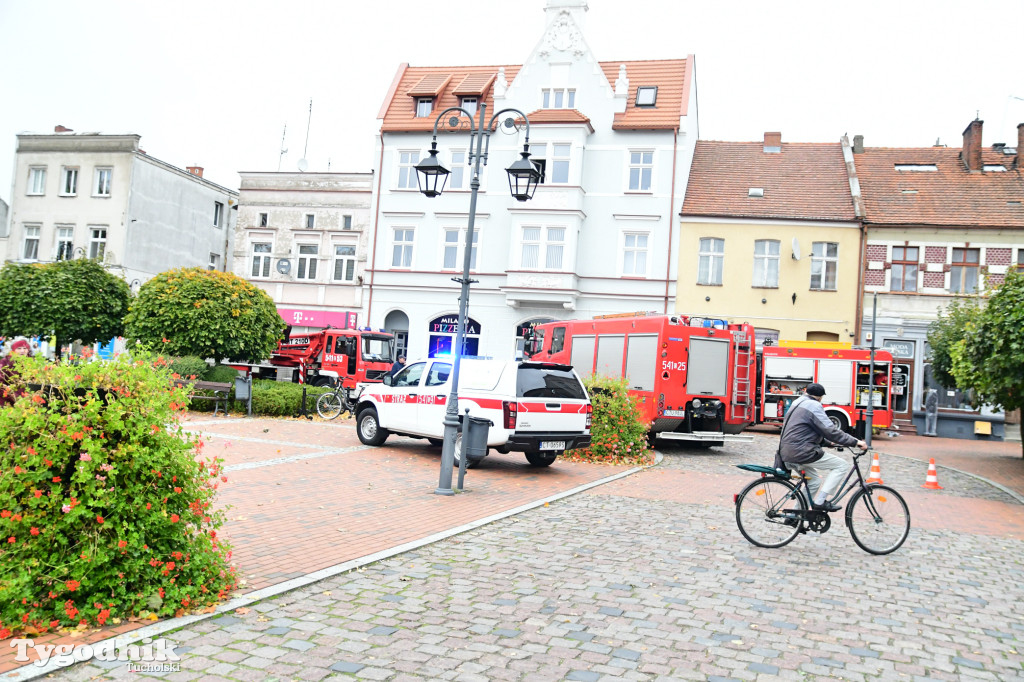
<point>523,176</point>
<point>431,176</point>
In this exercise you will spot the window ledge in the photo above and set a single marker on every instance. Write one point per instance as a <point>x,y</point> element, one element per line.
<point>100,196</point>
<point>708,284</point>
<point>762,286</point>
<point>641,192</point>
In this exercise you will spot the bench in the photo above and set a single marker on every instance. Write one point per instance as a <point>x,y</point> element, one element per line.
<point>221,392</point>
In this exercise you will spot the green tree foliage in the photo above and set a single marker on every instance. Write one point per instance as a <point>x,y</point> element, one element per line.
<point>945,334</point>
<point>206,313</point>
<point>70,299</point>
<point>106,505</point>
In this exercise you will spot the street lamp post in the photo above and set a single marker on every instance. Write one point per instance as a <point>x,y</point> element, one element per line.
<point>431,177</point>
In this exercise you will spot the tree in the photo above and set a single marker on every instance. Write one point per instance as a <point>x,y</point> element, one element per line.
<point>990,356</point>
<point>945,333</point>
<point>70,299</point>
<point>192,311</point>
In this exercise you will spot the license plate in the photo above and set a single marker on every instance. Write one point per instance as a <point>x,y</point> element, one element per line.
<point>675,413</point>
<point>552,445</point>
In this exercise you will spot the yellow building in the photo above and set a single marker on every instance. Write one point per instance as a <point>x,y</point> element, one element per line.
<point>769,236</point>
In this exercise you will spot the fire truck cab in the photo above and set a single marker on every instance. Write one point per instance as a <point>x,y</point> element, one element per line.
<point>844,372</point>
<point>693,378</point>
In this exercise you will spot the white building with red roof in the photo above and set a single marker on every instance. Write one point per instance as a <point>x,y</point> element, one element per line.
<point>614,141</point>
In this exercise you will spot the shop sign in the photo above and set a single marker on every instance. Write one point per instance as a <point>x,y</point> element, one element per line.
<point>899,349</point>
<point>449,324</point>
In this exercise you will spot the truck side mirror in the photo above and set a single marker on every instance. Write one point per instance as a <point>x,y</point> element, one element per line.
<point>387,379</point>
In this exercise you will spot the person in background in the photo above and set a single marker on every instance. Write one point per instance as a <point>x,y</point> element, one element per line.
<point>398,366</point>
<point>931,412</point>
<point>9,373</point>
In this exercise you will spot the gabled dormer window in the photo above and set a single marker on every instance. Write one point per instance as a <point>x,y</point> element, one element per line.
<point>424,105</point>
<point>646,95</point>
<point>469,104</point>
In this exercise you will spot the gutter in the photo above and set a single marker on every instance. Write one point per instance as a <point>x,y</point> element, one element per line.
<point>376,222</point>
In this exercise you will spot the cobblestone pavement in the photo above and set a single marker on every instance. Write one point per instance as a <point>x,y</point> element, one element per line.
<point>647,578</point>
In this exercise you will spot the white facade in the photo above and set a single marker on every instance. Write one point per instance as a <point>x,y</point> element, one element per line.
<point>303,238</point>
<point>100,196</point>
<point>600,234</point>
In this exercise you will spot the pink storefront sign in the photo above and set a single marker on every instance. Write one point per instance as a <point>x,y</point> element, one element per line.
<point>319,318</point>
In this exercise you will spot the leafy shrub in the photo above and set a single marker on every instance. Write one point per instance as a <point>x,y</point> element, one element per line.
<point>222,373</point>
<point>189,366</point>
<point>282,399</point>
<point>105,509</point>
<point>618,430</point>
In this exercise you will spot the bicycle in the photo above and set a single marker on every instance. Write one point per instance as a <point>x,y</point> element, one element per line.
<point>772,511</point>
<point>330,405</point>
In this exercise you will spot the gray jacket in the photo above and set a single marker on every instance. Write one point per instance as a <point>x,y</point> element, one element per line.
<point>806,427</point>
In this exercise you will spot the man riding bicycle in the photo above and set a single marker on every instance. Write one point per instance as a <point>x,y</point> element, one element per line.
<point>806,428</point>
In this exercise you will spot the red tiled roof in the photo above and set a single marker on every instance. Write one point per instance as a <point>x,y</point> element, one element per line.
<point>948,196</point>
<point>805,181</point>
<point>558,116</point>
<point>447,84</point>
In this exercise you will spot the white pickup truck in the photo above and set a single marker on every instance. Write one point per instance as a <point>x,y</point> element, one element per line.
<point>541,409</point>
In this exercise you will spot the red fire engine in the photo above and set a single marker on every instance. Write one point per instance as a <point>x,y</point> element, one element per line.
<point>345,356</point>
<point>844,371</point>
<point>693,377</point>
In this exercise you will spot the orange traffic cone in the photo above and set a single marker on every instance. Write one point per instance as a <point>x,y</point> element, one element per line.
<point>932,481</point>
<point>875,475</point>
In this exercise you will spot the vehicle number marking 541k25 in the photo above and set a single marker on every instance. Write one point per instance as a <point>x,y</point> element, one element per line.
<point>673,365</point>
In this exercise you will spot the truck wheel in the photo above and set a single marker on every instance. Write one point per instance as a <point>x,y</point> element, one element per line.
<point>471,463</point>
<point>838,420</point>
<point>321,381</point>
<point>541,459</point>
<point>436,442</point>
<point>368,428</point>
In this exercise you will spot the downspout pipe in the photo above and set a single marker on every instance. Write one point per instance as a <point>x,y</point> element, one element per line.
<point>671,215</point>
<point>376,223</point>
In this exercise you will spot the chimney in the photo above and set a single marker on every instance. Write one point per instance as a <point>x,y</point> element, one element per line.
<point>195,170</point>
<point>858,144</point>
<point>971,153</point>
<point>62,129</point>
<point>772,143</point>
<point>1020,145</point>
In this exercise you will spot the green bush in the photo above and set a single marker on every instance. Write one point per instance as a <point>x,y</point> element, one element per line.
<point>618,430</point>
<point>282,399</point>
<point>189,366</point>
<point>105,509</point>
<point>223,374</point>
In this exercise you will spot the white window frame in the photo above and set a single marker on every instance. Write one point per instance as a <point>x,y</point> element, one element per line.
<point>214,263</point>
<point>260,263</point>
<point>558,98</point>
<point>307,256</point>
<point>457,248</point>
<point>559,159</point>
<point>36,181</point>
<point>101,181</point>
<point>424,107</point>
<point>710,261</point>
<point>459,175</point>
<point>641,161</point>
<point>635,248</point>
<point>545,248</point>
<point>403,239</point>
<point>763,259</point>
<point>960,269</point>
<point>30,242</point>
<point>347,261</point>
<point>68,181</point>
<point>64,234</point>
<point>218,213</point>
<point>821,264</point>
<point>470,104</point>
<point>405,177</point>
<point>97,242</point>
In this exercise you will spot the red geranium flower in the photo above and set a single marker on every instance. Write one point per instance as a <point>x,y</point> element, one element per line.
<point>72,585</point>
<point>34,531</point>
<point>174,518</point>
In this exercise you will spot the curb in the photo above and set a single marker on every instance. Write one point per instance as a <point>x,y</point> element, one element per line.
<point>999,486</point>
<point>31,671</point>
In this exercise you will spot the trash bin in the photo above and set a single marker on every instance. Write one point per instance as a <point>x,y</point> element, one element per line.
<point>474,437</point>
<point>243,391</point>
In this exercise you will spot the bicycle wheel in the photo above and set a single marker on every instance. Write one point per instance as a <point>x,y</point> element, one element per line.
<point>878,519</point>
<point>329,405</point>
<point>770,512</point>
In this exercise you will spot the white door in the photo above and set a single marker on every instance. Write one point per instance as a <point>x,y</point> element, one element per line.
<point>401,398</point>
<point>433,399</point>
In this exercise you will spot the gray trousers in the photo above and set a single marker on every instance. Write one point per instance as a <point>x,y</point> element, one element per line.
<point>824,476</point>
<point>930,422</point>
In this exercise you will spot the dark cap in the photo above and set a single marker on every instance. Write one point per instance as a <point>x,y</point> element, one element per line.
<point>816,390</point>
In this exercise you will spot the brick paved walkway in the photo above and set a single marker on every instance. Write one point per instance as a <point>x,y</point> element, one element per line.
<point>644,578</point>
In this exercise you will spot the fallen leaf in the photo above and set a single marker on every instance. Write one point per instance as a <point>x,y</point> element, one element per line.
<point>242,610</point>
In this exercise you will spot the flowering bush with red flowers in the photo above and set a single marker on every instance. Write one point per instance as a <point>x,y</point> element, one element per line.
<point>106,506</point>
<point>618,430</point>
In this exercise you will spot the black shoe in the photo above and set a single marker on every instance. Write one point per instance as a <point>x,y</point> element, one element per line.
<point>827,507</point>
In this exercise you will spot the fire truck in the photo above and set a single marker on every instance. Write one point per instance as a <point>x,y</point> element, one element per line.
<point>844,371</point>
<point>693,377</point>
<point>328,357</point>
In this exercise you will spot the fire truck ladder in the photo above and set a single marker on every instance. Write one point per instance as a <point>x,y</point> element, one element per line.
<point>741,403</point>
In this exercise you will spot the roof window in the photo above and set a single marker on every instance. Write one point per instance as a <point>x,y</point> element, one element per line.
<point>917,167</point>
<point>757,192</point>
<point>646,95</point>
<point>994,168</point>
<point>908,191</point>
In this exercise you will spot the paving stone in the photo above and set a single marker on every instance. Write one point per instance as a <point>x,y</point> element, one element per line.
<point>347,667</point>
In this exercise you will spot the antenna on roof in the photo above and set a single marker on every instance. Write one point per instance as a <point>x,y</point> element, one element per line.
<point>303,164</point>
<point>283,150</point>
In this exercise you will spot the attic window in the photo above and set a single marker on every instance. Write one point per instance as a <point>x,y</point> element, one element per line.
<point>424,105</point>
<point>909,191</point>
<point>1014,203</point>
<point>755,192</point>
<point>994,168</point>
<point>646,95</point>
<point>917,167</point>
